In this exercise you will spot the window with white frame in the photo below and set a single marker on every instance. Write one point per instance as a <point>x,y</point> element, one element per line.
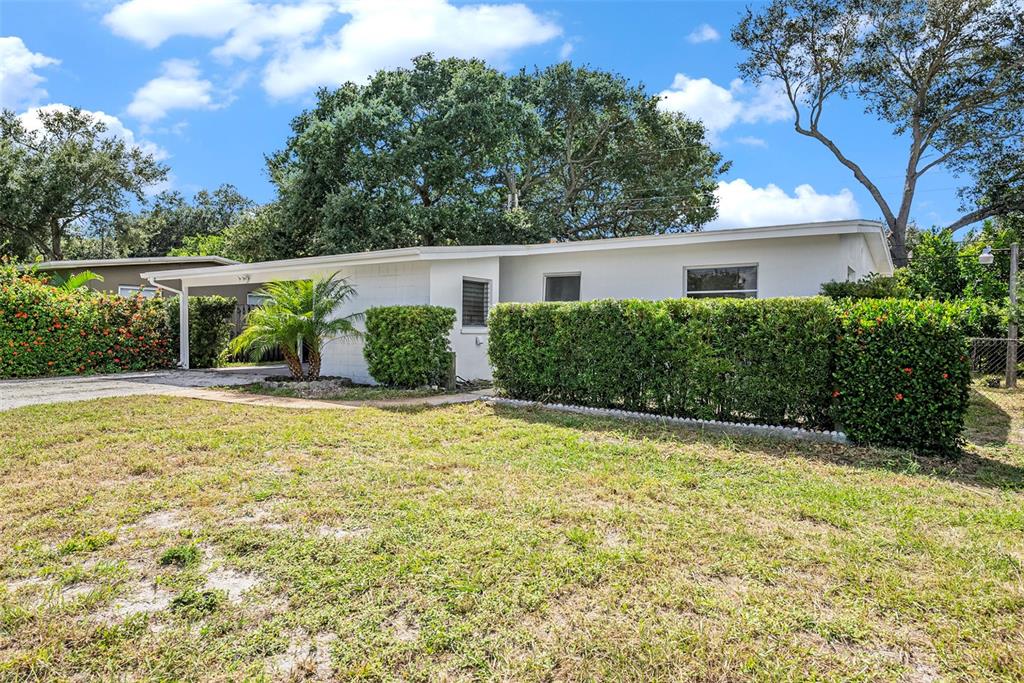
<point>562,287</point>
<point>476,300</point>
<point>132,290</point>
<point>729,281</point>
<point>252,299</point>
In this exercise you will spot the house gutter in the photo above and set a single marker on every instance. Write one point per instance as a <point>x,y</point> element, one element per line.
<point>183,351</point>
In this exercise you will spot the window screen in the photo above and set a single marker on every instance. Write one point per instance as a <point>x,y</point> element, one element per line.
<point>475,302</point>
<point>562,288</point>
<point>728,281</point>
<point>257,299</point>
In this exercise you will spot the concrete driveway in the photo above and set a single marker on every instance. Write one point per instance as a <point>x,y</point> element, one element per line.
<point>15,393</point>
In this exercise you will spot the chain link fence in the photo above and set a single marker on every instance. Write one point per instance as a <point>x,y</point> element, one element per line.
<point>989,354</point>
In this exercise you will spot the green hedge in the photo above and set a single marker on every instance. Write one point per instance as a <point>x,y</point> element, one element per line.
<point>407,346</point>
<point>771,361</point>
<point>49,331</point>
<point>902,373</point>
<point>761,361</point>
<point>209,327</point>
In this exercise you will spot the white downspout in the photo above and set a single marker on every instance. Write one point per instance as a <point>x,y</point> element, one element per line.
<point>183,350</point>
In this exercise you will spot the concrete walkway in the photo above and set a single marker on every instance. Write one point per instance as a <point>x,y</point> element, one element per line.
<point>15,393</point>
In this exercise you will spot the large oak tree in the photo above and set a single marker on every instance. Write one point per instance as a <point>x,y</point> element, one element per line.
<point>454,152</point>
<point>946,75</point>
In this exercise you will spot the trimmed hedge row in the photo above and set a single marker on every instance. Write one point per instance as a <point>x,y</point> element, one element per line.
<point>805,362</point>
<point>50,331</point>
<point>407,346</point>
<point>902,373</point>
<point>209,327</point>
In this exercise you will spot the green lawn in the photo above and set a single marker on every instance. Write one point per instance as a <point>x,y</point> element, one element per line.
<point>159,538</point>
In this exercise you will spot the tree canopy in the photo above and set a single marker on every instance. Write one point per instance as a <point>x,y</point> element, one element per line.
<point>454,152</point>
<point>67,178</point>
<point>948,77</point>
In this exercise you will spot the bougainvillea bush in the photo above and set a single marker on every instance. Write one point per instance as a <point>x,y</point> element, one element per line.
<point>902,374</point>
<point>45,330</point>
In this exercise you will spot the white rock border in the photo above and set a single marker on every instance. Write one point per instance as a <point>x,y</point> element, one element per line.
<point>736,428</point>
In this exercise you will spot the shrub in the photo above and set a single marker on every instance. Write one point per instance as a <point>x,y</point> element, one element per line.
<point>46,330</point>
<point>902,374</point>
<point>407,346</point>
<point>765,361</point>
<point>889,371</point>
<point>871,286</point>
<point>209,327</point>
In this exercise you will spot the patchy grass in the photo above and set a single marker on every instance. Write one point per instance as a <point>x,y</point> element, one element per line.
<point>337,392</point>
<point>472,543</point>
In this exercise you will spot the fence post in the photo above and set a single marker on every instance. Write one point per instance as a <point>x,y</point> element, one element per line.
<point>1011,332</point>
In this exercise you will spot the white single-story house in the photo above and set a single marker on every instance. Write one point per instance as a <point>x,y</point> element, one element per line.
<point>782,260</point>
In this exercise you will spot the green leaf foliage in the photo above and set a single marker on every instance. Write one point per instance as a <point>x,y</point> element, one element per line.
<point>299,311</point>
<point>795,362</point>
<point>453,151</point>
<point>901,374</point>
<point>46,330</point>
<point>764,361</point>
<point>407,346</point>
<point>209,327</point>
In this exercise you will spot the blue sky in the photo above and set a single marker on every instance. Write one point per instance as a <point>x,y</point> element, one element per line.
<point>212,85</point>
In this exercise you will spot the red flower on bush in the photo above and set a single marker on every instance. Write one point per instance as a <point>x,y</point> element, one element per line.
<point>835,393</point>
<point>908,370</point>
<point>899,397</point>
<point>945,375</point>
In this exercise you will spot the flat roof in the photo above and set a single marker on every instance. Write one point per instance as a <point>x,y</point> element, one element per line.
<point>872,229</point>
<point>140,261</point>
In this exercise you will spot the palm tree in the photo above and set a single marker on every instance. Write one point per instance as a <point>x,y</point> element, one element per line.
<point>299,311</point>
<point>75,281</point>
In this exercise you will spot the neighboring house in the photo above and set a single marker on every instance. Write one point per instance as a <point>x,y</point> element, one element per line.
<point>123,276</point>
<point>786,260</point>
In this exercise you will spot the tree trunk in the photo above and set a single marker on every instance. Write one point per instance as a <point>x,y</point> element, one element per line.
<point>292,359</point>
<point>898,244</point>
<point>55,251</point>
<point>314,365</point>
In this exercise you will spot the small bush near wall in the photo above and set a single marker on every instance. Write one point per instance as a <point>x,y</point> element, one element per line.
<point>902,373</point>
<point>765,361</point>
<point>209,327</point>
<point>901,380</point>
<point>407,346</point>
<point>49,331</point>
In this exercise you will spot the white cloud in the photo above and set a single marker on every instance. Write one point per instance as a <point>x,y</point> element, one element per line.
<point>704,100</point>
<point>151,22</point>
<point>741,205</point>
<point>276,24</point>
<point>378,33</point>
<point>751,141</point>
<point>705,33</point>
<point>387,33</point>
<point>566,50</point>
<point>115,128</point>
<point>19,82</point>
<point>178,87</point>
<point>719,108</point>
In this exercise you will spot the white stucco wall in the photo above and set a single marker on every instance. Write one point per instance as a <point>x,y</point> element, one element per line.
<point>786,267</point>
<point>379,285</point>
<point>468,343</point>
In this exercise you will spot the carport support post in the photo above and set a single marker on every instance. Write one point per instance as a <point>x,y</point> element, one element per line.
<point>183,328</point>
